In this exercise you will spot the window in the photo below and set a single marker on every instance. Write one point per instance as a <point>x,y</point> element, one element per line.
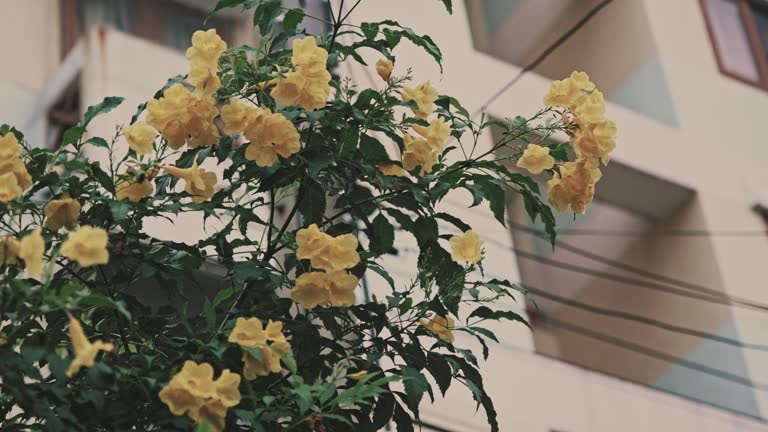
<point>739,33</point>
<point>165,22</point>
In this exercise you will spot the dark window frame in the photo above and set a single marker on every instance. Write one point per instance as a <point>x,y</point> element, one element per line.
<point>757,48</point>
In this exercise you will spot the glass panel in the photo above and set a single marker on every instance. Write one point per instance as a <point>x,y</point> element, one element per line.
<point>731,39</point>
<point>112,13</point>
<point>761,22</point>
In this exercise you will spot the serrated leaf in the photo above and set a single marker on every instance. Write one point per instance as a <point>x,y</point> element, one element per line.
<point>311,202</point>
<point>381,234</point>
<point>108,104</point>
<point>372,149</point>
<point>292,19</point>
<point>348,143</point>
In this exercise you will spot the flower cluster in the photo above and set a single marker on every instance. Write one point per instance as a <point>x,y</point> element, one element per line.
<point>194,392</point>
<point>307,84</point>
<point>593,138</point>
<point>334,255</point>
<point>270,134</point>
<point>85,351</point>
<point>14,178</point>
<point>269,344</point>
<point>185,117</point>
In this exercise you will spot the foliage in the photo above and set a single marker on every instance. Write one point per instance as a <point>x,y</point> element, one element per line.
<point>151,301</point>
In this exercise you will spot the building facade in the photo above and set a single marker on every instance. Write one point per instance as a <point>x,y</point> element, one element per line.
<point>651,309</point>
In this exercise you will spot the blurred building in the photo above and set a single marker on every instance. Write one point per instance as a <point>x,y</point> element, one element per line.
<point>646,304</point>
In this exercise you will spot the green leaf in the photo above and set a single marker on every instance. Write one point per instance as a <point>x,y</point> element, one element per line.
<point>415,386</point>
<point>265,15</point>
<point>108,104</point>
<point>292,19</point>
<point>487,313</point>
<point>381,234</point>
<point>348,143</point>
<point>223,4</point>
<point>425,230</point>
<point>97,142</point>
<point>440,370</point>
<point>311,202</point>
<point>372,149</point>
<point>424,42</point>
<point>72,135</point>
<point>494,194</point>
<point>449,6</point>
<point>458,223</point>
<point>383,411</point>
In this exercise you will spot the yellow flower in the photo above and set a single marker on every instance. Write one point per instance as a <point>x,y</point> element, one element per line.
<point>384,68</point>
<point>198,182</point>
<point>9,187</point>
<point>466,247</point>
<point>9,147</point>
<point>570,92</point>
<point>31,250</point>
<point>236,116</point>
<point>9,249</point>
<point>595,141</point>
<point>442,327</point>
<point>391,169</point>
<point>140,137</point>
<point>310,241</point>
<point>87,246</point>
<point>271,134</point>
<point>574,186</point>
<point>85,351</point>
<point>178,398</point>
<point>248,333</point>
<point>297,89</point>
<point>340,253</point>
<point>19,170</point>
<point>419,152</point>
<point>317,288</point>
<point>184,117</point>
<point>309,59</point>
<point>341,287</point>
<point>227,390</point>
<point>203,57</point>
<point>591,110</point>
<point>311,290</point>
<point>424,95</point>
<point>436,134</point>
<point>213,412</point>
<point>358,375</point>
<point>536,159</point>
<point>134,190</point>
<point>62,212</point>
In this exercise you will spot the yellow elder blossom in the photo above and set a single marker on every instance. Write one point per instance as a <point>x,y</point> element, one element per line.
<point>466,247</point>
<point>236,116</point>
<point>62,212</point>
<point>31,250</point>
<point>203,57</point>
<point>436,133</point>
<point>140,137</point>
<point>391,169</point>
<point>270,134</point>
<point>595,141</point>
<point>87,246</point>
<point>424,95</point>
<point>9,248</point>
<point>193,391</point>
<point>134,189</point>
<point>9,187</point>
<point>570,92</point>
<point>326,252</point>
<point>307,85</point>
<point>85,351</point>
<point>384,68</point>
<point>184,117</point>
<point>249,333</point>
<point>19,170</point>
<point>318,288</point>
<point>536,159</point>
<point>419,152</point>
<point>574,186</point>
<point>199,183</point>
<point>9,147</point>
<point>442,327</point>
<point>591,110</point>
